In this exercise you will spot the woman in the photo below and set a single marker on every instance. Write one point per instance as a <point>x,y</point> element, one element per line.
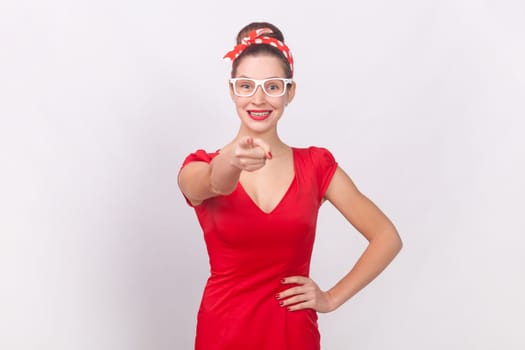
<point>257,201</point>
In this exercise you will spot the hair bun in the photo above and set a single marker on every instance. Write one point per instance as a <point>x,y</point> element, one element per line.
<point>277,34</point>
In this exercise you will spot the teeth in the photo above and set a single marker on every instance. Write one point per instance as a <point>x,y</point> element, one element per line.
<point>259,114</point>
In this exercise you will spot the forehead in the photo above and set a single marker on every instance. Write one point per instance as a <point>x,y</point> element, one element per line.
<point>260,67</point>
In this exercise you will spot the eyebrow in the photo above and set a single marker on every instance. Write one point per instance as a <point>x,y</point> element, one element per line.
<point>245,77</point>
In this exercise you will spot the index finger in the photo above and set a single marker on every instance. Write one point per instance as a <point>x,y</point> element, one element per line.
<point>246,142</point>
<point>295,279</point>
<point>262,144</point>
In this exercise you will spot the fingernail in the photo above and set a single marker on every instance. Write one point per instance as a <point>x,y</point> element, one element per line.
<point>276,296</point>
<point>281,303</point>
<point>269,155</point>
<point>282,281</point>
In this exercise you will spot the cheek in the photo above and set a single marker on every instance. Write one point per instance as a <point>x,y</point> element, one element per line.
<point>239,103</point>
<point>236,100</point>
<point>281,103</point>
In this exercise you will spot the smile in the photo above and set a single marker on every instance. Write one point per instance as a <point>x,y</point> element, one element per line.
<point>259,115</point>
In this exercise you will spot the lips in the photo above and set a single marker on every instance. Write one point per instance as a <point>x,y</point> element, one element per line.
<point>259,114</point>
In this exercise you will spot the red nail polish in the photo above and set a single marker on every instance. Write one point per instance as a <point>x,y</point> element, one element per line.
<point>269,155</point>
<point>276,296</point>
<point>281,303</point>
<point>282,281</point>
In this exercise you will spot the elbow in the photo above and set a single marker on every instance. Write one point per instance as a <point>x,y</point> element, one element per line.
<point>399,245</point>
<point>221,190</point>
<point>397,242</point>
<point>390,241</point>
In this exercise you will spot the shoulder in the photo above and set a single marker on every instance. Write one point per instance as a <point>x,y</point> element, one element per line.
<point>318,165</point>
<point>316,154</point>
<point>200,155</point>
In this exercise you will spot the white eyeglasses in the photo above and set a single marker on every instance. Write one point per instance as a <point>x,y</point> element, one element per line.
<point>273,87</point>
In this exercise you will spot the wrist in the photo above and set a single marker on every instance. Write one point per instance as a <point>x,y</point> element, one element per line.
<point>333,303</point>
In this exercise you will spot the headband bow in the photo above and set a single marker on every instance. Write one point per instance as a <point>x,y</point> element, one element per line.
<point>257,37</point>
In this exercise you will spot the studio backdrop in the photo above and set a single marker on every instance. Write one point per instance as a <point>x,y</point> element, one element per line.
<point>421,102</point>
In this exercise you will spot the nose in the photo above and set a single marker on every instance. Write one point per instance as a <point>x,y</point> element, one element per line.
<point>259,96</point>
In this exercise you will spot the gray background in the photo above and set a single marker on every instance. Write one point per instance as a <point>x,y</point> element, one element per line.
<point>421,102</point>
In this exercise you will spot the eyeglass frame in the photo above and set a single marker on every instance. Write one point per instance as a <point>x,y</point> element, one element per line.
<point>260,82</point>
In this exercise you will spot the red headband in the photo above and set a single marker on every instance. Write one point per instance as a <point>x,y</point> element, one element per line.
<point>255,37</point>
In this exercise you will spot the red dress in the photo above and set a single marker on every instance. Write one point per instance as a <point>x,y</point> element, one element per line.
<point>250,251</point>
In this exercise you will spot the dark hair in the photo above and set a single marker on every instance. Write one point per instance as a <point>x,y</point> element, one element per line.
<point>261,49</point>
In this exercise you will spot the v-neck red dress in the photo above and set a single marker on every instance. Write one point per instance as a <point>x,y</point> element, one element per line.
<point>250,251</point>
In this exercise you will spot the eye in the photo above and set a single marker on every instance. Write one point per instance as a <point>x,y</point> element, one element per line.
<point>274,86</point>
<point>244,85</point>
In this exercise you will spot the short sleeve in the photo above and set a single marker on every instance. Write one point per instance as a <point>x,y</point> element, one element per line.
<point>325,167</point>
<point>197,156</point>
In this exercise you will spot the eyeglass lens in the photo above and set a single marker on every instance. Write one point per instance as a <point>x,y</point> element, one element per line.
<point>271,87</point>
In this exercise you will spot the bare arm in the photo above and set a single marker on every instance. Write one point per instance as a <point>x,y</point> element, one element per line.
<point>199,180</point>
<point>384,244</point>
<point>367,218</point>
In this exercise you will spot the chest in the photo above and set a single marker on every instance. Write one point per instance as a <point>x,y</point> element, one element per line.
<point>279,209</point>
<point>237,221</point>
<point>268,186</point>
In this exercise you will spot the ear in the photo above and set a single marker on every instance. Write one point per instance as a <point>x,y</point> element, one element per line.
<point>291,92</point>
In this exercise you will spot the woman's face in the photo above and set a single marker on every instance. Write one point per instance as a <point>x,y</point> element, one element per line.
<point>260,113</point>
